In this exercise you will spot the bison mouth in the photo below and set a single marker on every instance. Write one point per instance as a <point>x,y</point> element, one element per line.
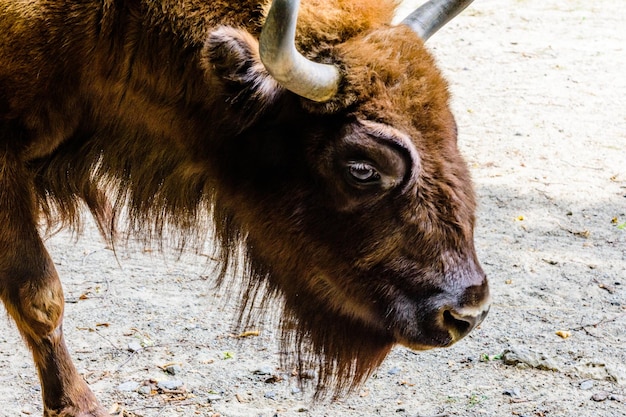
<point>344,330</point>
<point>423,319</point>
<point>435,323</point>
<point>345,338</point>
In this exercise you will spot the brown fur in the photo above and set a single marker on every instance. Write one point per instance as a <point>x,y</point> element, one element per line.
<point>155,115</point>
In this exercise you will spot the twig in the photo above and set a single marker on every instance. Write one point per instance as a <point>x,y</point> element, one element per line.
<point>121,365</point>
<point>107,340</point>
<point>595,325</point>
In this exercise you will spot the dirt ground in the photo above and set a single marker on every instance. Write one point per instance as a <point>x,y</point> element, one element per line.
<point>539,89</point>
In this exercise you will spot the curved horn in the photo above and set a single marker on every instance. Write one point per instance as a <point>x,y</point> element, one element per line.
<point>432,16</point>
<point>312,80</point>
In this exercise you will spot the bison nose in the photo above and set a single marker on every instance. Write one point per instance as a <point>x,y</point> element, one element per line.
<point>466,310</point>
<point>459,322</point>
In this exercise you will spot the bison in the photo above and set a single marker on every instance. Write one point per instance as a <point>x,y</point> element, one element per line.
<point>320,142</point>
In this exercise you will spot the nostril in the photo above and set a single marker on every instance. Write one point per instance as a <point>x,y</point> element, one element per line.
<point>457,324</point>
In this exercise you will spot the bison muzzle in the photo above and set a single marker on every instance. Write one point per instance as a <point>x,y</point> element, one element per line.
<point>324,151</point>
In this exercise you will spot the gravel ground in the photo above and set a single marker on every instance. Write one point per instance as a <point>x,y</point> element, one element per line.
<point>539,91</point>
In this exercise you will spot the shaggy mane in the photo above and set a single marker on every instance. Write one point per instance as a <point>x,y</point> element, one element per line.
<point>171,207</point>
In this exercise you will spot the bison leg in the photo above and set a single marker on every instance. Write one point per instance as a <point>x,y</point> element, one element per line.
<point>32,294</point>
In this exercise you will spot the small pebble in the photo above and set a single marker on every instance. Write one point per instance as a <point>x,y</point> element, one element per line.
<point>600,396</point>
<point>270,394</point>
<point>393,371</point>
<point>134,346</point>
<point>145,390</point>
<point>264,370</point>
<point>173,369</point>
<point>513,392</point>
<point>586,385</point>
<point>213,397</point>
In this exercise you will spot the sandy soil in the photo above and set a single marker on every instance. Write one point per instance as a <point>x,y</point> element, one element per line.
<point>539,90</point>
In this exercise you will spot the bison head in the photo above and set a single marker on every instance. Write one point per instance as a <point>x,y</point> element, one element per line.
<point>345,188</point>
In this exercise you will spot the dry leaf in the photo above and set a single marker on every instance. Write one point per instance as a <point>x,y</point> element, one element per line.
<point>249,333</point>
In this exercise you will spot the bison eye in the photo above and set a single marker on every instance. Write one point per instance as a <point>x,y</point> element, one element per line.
<point>362,173</point>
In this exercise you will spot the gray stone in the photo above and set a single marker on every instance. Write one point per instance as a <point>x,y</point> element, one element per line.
<point>617,372</point>
<point>128,386</point>
<point>170,385</point>
<point>525,357</point>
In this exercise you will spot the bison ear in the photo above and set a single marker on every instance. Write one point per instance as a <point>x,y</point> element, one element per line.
<point>232,55</point>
